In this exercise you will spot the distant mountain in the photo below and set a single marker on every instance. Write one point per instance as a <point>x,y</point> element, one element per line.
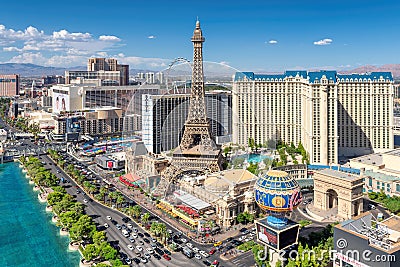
<point>32,70</point>
<point>393,68</point>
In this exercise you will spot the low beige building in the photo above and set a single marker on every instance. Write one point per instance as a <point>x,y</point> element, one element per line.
<point>229,192</point>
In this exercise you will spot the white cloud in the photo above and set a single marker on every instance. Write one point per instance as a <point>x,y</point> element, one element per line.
<point>272,41</point>
<point>11,49</point>
<point>73,36</point>
<point>109,38</point>
<point>151,37</point>
<point>325,41</point>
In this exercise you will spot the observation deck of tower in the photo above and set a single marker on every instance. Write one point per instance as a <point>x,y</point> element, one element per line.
<point>197,152</point>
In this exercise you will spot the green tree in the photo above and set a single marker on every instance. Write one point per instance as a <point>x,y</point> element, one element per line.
<point>137,210</point>
<point>251,143</point>
<point>90,252</point>
<point>83,229</point>
<point>253,168</point>
<point>99,237</point>
<point>68,218</point>
<point>146,217</point>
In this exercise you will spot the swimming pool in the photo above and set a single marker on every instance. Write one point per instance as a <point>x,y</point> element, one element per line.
<point>254,158</point>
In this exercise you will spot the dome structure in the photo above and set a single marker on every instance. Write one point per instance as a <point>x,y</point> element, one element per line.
<point>277,193</point>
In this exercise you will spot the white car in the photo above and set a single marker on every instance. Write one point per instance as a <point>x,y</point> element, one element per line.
<point>183,240</point>
<point>129,226</point>
<point>85,200</point>
<point>197,256</point>
<point>204,254</point>
<point>147,255</point>
<point>169,231</point>
<point>189,245</point>
<point>140,248</point>
<point>135,230</point>
<point>195,250</point>
<point>106,225</point>
<point>134,235</point>
<point>143,259</point>
<point>149,250</point>
<point>109,218</point>
<point>130,247</point>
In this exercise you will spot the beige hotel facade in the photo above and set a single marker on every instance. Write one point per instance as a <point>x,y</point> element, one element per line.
<point>334,115</point>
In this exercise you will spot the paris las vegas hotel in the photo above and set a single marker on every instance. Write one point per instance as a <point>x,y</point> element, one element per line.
<point>334,115</point>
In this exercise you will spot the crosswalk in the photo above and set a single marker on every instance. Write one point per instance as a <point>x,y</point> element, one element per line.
<point>243,260</point>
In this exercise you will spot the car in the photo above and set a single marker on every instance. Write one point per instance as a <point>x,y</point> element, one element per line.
<point>134,235</point>
<point>159,251</point>
<point>371,206</point>
<point>109,218</point>
<point>125,219</point>
<point>166,251</point>
<point>159,245</point>
<point>143,259</point>
<point>153,240</point>
<point>128,261</point>
<point>118,226</point>
<point>114,222</point>
<point>146,234</point>
<point>139,248</point>
<point>130,247</point>
<point>135,230</point>
<point>153,245</point>
<point>85,200</point>
<point>169,231</point>
<point>146,240</point>
<point>140,234</point>
<point>246,232</point>
<point>189,245</point>
<point>243,230</point>
<point>125,234</point>
<point>147,255</point>
<point>219,243</point>
<point>149,250</point>
<point>165,256</point>
<point>123,226</point>
<point>106,225</point>
<point>136,260</point>
<point>247,240</point>
<point>77,191</point>
<point>183,240</point>
<point>228,247</point>
<point>207,263</point>
<point>129,226</point>
<point>212,251</point>
<point>141,242</point>
<point>229,239</point>
<point>204,254</point>
<point>197,256</point>
<point>131,239</point>
<point>195,249</point>
<point>157,256</point>
<point>215,263</point>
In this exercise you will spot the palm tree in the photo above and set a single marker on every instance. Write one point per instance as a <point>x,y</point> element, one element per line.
<point>130,211</point>
<point>103,192</point>
<point>137,210</point>
<point>120,199</point>
<point>145,218</point>
<point>112,196</point>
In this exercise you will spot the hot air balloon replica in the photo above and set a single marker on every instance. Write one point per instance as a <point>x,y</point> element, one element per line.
<point>278,194</point>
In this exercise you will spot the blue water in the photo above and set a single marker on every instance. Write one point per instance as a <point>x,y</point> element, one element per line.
<point>254,158</point>
<point>27,235</point>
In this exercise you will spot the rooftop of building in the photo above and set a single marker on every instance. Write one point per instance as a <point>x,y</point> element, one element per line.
<point>372,159</point>
<point>339,174</point>
<point>381,176</point>
<point>315,76</point>
<point>384,235</point>
<point>221,181</point>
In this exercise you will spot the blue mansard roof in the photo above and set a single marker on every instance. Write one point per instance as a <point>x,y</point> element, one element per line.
<point>314,76</point>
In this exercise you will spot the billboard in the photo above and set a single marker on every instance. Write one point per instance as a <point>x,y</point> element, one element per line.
<point>72,125</point>
<point>60,102</point>
<point>277,238</point>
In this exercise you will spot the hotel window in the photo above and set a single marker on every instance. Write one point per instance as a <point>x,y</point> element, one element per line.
<point>398,187</point>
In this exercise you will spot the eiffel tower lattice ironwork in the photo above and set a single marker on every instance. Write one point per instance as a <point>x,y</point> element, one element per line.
<point>197,151</point>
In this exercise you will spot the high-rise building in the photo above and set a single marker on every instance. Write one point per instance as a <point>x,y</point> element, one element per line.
<point>164,116</point>
<point>9,85</point>
<point>105,69</point>
<point>333,115</point>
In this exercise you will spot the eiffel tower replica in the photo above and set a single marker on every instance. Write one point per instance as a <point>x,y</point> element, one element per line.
<point>197,152</point>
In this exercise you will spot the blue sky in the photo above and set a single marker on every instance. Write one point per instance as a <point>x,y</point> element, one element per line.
<point>247,35</point>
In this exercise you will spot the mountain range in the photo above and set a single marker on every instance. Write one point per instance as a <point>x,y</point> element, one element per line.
<point>32,70</point>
